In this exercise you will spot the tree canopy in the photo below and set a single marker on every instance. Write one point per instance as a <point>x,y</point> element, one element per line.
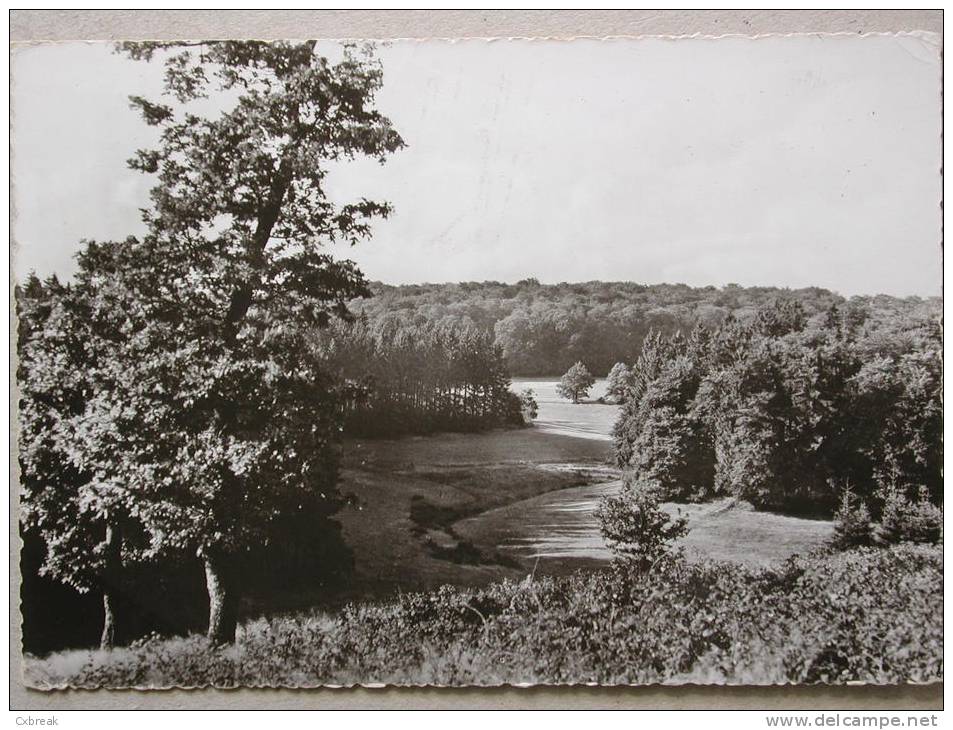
<point>208,416</point>
<point>787,411</point>
<point>575,384</point>
<point>404,379</point>
<point>545,328</point>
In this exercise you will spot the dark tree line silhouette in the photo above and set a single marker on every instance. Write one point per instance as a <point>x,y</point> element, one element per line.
<point>399,379</point>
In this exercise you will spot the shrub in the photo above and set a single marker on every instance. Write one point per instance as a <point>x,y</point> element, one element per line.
<point>906,520</point>
<point>528,405</point>
<point>635,527</point>
<point>852,525</point>
<point>861,615</point>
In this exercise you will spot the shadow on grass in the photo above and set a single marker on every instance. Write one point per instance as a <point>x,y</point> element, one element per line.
<point>427,517</point>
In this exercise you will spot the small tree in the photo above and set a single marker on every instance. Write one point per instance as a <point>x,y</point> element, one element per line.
<point>528,405</point>
<point>635,527</point>
<point>906,520</point>
<point>575,384</point>
<point>618,387</point>
<point>77,513</point>
<point>852,526</point>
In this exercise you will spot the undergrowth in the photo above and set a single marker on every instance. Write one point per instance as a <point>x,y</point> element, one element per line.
<point>867,614</point>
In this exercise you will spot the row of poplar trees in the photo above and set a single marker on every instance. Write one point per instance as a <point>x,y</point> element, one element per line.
<point>788,412</point>
<point>403,378</point>
<point>172,405</point>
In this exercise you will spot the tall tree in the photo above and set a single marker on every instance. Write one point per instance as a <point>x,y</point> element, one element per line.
<point>618,385</point>
<point>672,446</point>
<point>235,421</point>
<point>239,214</point>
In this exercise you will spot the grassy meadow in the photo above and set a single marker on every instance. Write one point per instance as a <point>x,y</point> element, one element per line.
<point>467,509</point>
<point>411,492</point>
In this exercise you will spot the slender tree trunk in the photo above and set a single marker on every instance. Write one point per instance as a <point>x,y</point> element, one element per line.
<point>111,573</point>
<point>241,298</point>
<point>222,601</point>
<point>108,638</point>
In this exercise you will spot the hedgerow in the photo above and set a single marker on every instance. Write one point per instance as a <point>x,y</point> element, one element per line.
<point>867,614</point>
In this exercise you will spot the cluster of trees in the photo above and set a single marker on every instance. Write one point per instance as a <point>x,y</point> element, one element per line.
<point>545,329</point>
<point>789,410</point>
<point>171,405</point>
<point>419,378</point>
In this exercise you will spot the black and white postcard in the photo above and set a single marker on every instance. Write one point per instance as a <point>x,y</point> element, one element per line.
<point>479,362</point>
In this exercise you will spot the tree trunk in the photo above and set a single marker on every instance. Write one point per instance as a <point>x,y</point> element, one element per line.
<point>111,574</point>
<point>222,601</point>
<point>241,298</point>
<point>108,638</point>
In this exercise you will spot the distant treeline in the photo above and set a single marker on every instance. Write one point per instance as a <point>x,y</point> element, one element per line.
<point>544,329</point>
<point>789,410</point>
<point>399,378</point>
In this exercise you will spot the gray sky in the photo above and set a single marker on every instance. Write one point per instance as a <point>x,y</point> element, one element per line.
<point>786,161</point>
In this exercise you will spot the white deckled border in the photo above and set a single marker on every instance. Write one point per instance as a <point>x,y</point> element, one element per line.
<point>35,27</point>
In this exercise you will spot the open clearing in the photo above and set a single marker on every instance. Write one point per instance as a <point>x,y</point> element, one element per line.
<point>411,491</point>
<point>557,532</point>
<point>469,509</point>
<point>589,419</point>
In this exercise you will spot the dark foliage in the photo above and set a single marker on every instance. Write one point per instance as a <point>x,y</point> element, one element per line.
<point>906,519</point>
<point>417,379</point>
<point>544,329</point>
<point>171,407</point>
<point>853,526</point>
<point>780,410</point>
<point>865,615</point>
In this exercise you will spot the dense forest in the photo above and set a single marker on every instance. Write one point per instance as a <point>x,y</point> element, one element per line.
<point>545,329</point>
<point>790,411</point>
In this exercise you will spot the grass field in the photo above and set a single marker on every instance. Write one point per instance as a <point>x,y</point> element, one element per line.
<point>468,509</point>
<point>734,532</point>
<point>557,532</point>
<point>589,419</point>
<point>411,491</point>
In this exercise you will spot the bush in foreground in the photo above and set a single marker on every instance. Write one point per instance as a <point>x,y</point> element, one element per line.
<point>634,525</point>
<point>867,614</point>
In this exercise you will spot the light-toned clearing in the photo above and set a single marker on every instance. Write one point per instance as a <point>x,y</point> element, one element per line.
<point>524,500</point>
